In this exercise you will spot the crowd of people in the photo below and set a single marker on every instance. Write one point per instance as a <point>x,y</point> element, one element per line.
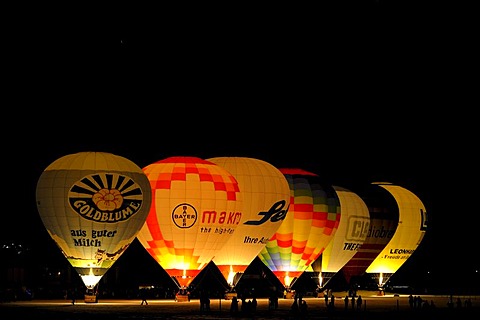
<point>356,303</point>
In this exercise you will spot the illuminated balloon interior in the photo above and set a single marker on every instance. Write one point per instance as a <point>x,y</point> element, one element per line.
<point>92,205</point>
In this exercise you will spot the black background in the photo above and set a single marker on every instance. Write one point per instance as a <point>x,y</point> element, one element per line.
<point>354,91</point>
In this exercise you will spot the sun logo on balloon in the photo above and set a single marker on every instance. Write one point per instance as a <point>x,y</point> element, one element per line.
<point>108,200</point>
<point>106,197</point>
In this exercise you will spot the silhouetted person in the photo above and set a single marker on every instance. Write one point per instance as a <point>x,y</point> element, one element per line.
<point>254,304</point>
<point>248,307</point>
<point>346,302</point>
<point>143,296</point>
<point>204,301</point>
<point>450,302</point>
<point>273,301</point>
<point>303,309</point>
<point>234,306</point>
<point>425,305</point>
<point>468,303</point>
<point>243,307</point>
<point>207,303</point>
<point>294,308</point>
<point>359,303</point>
<point>415,302</point>
<point>331,305</point>
<point>72,296</point>
<point>419,301</point>
<point>459,302</point>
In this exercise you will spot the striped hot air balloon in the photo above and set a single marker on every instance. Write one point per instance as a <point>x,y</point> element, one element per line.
<point>312,220</point>
<point>196,208</point>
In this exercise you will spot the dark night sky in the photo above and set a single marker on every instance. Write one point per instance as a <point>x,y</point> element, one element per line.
<point>384,96</point>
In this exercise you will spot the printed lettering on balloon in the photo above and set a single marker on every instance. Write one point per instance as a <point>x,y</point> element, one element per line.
<point>255,240</point>
<point>276,213</point>
<point>424,217</point>
<point>357,228</point>
<point>80,239</point>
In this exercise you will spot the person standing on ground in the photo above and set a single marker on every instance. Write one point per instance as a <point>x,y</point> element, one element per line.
<point>359,302</point>
<point>143,296</point>
<point>234,306</point>
<point>303,309</point>
<point>72,296</point>
<point>294,308</point>
<point>332,302</point>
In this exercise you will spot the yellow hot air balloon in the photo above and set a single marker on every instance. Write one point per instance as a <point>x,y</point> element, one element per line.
<point>312,220</point>
<point>196,207</point>
<point>266,197</point>
<point>411,229</point>
<point>351,233</point>
<point>93,204</point>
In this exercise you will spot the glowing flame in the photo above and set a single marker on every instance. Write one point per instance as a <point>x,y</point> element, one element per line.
<point>231,276</point>
<point>90,280</point>
<point>288,280</point>
<point>380,280</point>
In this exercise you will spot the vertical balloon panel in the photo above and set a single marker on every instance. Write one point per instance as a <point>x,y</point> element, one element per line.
<point>313,218</point>
<point>93,204</point>
<point>266,197</point>
<point>196,207</point>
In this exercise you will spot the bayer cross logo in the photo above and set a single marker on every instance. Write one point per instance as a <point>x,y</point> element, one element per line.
<point>184,216</point>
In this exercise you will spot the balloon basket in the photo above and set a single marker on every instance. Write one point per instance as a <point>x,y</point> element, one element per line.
<point>182,298</point>
<point>91,298</point>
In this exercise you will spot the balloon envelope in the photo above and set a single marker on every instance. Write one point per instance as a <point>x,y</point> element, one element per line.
<point>266,197</point>
<point>384,218</point>
<point>196,207</point>
<point>408,236</point>
<point>349,237</point>
<point>93,204</point>
<point>311,222</point>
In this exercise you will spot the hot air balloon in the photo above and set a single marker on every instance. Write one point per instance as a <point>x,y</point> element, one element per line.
<point>196,207</point>
<point>266,197</point>
<point>312,220</point>
<point>384,217</point>
<point>411,229</point>
<point>349,237</point>
<point>93,204</point>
